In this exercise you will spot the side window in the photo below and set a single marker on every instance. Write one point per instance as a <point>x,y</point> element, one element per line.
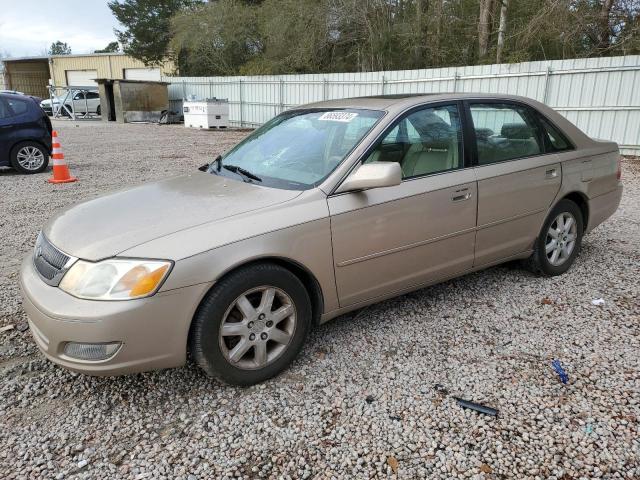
<point>425,142</point>
<point>4,111</point>
<point>18,106</point>
<point>554,140</point>
<point>93,95</point>
<point>504,132</point>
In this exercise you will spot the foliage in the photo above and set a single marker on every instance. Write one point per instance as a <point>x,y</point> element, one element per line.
<point>59,48</point>
<point>146,23</point>
<point>110,48</point>
<point>229,37</point>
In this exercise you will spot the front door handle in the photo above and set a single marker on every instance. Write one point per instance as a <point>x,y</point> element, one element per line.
<point>551,173</point>
<point>461,195</point>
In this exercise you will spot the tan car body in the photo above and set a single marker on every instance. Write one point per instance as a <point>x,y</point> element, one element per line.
<point>350,249</point>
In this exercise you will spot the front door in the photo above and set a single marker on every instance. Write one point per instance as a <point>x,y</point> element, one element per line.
<point>387,240</point>
<point>517,179</point>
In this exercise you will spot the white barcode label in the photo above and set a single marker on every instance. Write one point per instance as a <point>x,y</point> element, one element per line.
<point>338,116</point>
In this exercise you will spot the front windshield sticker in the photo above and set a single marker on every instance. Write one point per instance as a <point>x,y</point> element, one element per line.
<point>338,116</point>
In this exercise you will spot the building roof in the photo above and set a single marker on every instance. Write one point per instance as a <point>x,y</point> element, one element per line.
<point>21,59</point>
<point>47,57</point>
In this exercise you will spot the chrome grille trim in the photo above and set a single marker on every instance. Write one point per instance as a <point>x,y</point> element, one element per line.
<point>50,262</point>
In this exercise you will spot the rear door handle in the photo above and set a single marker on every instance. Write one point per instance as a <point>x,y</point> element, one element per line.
<point>461,195</point>
<point>551,173</point>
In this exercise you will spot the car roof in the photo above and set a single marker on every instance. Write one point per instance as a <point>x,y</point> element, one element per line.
<point>407,100</point>
<point>13,95</point>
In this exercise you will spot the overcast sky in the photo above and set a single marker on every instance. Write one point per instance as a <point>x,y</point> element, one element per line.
<point>28,27</point>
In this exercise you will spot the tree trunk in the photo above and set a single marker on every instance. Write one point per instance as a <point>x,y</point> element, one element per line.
<point>604,35</point>
<point>502,30</point>
<point>438,41</point>
<point>422,7</point>
<point>483,28</point>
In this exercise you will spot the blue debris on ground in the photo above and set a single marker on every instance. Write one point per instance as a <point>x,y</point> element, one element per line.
<point>557,366</point>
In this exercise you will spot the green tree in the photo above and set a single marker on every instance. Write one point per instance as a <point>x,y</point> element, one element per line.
<point>230,37</point>
<point>110,48</point>
<point>146,33</point>
<point>59,48</point>
<point>217,38</point>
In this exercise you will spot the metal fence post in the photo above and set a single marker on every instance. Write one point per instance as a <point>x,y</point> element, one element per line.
<point>455,81</point>
<point>324,88</point>
<point>382,83</point>
<point>240,88</point>
<point>281,95</point>
<point>547,77</point>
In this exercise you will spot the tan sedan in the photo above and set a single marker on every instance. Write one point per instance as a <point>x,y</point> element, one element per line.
<point>325,209</point>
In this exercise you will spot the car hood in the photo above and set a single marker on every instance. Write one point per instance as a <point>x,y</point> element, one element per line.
<point>47,101</point>
<point>108,225</point>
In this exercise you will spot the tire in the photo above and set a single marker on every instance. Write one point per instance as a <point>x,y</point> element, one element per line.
<point>65,112</point>
<point>541,261</point>
<point>98,110</point>
<point>29,157</point>
<point>227,357</point>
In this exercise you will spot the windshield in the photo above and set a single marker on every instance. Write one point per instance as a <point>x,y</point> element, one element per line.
<point>297,150</point>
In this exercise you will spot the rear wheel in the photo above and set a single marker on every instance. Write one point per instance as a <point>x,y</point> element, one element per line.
<point>29,157</point>
<point>559,241</point>
<point>251,325</point>
<point>98,110</point>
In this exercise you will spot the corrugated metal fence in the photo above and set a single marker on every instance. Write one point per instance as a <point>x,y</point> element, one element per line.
<point>599,95</point>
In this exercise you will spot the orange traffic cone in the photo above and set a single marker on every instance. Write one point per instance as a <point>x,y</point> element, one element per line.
<point>60,170</point>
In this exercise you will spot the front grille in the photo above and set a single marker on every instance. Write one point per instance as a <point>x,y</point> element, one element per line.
<point>49,261</point>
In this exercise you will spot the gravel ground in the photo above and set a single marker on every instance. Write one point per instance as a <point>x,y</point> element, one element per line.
<point>371,396</point>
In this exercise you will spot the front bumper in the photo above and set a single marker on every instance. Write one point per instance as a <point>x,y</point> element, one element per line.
<point>153,331</point>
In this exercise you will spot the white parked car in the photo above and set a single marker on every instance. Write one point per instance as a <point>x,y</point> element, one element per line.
<point>80,105</point>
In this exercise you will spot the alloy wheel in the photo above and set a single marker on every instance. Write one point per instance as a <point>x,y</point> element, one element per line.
<point>257,328</point>
<point>561,239</point>
<point>30,158</point>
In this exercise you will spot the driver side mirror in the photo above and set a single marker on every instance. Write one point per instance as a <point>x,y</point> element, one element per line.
<point>204,168</point>
<point>372,175</point>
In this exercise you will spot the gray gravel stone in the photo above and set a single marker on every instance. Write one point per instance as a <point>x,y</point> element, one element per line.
<point>489,337</point>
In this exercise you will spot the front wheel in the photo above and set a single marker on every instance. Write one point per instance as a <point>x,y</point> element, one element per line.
<point>559,241</point>
<point>251,325</point>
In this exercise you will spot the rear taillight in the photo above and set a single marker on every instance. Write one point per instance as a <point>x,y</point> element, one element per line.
<point>619,172</point>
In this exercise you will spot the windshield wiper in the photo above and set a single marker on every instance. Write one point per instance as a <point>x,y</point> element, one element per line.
<point>207,166</point>
<point>241,171</point>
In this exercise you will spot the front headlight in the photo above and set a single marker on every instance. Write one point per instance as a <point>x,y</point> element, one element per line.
<point>115,279</point>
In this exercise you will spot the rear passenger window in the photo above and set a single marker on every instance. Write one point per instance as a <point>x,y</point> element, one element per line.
<point>504,132</point>
<point>554,140</point>
<point>423,143</point>
<point>18,106</point>
<point>4,111</point>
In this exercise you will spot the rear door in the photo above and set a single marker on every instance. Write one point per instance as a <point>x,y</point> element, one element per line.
<point>86,101</point>
<point>6,131</point>
<point>517,180</point>
<point>386,240</point>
